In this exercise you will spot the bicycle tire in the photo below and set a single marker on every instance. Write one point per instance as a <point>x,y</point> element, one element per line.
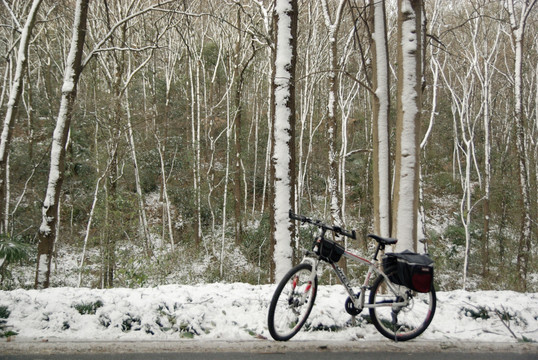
<point>401,323</point>
<point>292,302</point>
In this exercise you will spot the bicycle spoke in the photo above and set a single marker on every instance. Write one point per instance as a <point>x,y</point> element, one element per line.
<point>408,316</point>
<point>292,302</point>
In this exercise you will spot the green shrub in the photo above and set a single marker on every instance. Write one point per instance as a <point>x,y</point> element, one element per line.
<point>104,320</point>
<point>12,250</point>
<point>130,322</point>
<point>4,312</point>
<point>255,243</point>
<point>5,330</point>
<point>480,312</point>
<point>88,308</point>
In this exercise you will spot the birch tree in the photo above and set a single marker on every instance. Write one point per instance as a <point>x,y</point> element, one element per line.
<point>73,68</point>
<point>195,73</point>
<point>309,125</point>
<point>13,102</point>
<point>464,77</point>
<point>405,209</point>
<point>517,26</point>
<point>332,124</point>
<point>432,100</point>
<point>268,20</point>
<point>161,129</point>
<point>380,114</point>
<point>487,51</point>
<point>141,204</point>
<point>465,122</point>
<point>238,124</point>
<point>242,59</point>
<point>283,159</point>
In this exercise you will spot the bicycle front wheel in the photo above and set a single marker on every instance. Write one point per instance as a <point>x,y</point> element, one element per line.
<point>402,314</point>
<point>292,302</point>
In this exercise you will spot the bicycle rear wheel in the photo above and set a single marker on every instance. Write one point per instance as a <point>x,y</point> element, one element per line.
<point>406,314</point>
<point>292,302</point>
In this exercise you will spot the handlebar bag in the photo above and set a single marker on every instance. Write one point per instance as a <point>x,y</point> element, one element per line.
<point>328,250</point>
<point>409,269</point>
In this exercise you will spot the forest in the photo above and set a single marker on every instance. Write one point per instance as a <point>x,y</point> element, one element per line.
<point>138,141</point>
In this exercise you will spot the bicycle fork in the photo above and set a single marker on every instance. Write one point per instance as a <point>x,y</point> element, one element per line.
<point>302,297</point>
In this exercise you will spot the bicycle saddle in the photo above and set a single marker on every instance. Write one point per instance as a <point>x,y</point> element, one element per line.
<point>382,240</point>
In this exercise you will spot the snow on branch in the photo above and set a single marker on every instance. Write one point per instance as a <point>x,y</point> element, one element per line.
<point>19,27</point>
<point>156,7</point>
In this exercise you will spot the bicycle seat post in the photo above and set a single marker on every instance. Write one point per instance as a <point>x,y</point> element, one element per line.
<point>380,247</point>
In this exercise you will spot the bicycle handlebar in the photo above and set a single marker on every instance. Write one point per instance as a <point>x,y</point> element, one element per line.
<point>336,229</point>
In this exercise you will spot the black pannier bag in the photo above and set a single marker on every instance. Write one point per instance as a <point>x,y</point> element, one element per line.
<point>409,269</point>
<point>329,250</point>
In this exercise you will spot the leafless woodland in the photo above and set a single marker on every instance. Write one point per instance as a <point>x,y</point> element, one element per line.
<point>138,137</point>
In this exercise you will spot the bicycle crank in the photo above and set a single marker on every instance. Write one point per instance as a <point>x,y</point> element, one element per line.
<point>350,307</point>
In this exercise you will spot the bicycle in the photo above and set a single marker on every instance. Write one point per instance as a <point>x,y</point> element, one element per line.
<point>398,309</point>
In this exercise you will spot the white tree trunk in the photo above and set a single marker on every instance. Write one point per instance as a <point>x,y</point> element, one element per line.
<point>465,118</point>
<point>7,195</point>
<point>536,130</point>
<point>47,230</point>
<point>194,75</point>
<point>282,152</point>
<point>140,197</point>
<point>226,180</point>
<point>13,104</point>
<point>88,226</point>
<point>270,116</point>
<point>167,206</point>
<point>5,85</point>
<point>267,22</point>
<point>268,150</point>
<point>518,32</point>
<point>382,176</point>
<point>334,159</point>
<point>408,126</point>
<point>434,66</point>
<point>466,208</point>
<point>485,71</point>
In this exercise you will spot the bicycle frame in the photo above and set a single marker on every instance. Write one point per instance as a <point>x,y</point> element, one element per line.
<point>358,302</point>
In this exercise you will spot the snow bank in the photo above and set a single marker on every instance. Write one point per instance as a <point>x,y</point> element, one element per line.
<point>239,311</point>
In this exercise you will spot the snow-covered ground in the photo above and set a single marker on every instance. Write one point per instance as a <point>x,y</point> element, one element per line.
<point>239,312</point>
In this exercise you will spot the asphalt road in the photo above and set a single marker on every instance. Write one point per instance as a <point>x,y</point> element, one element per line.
<point>265,350</point>
<point>280,356</point>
